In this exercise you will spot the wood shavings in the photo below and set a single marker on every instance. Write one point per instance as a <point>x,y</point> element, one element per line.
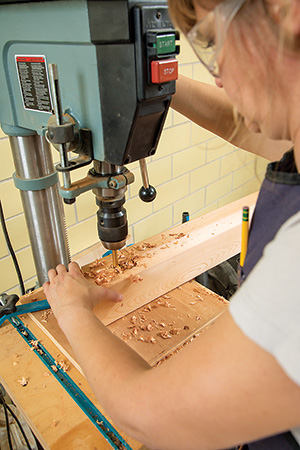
<point>177,236</point>
<point>64,365</point>
<point>117,443</point>
<point>197,291</point>
<point>54,424</point>
<point>174,331</point>
<point>15,363</point>
<point>134,332</point>
<point>97,263</point>
<point>54,368</point>
<point>23,382</point>
<point>178,349</point>
<point>102,271</point>
<point>44,317</point>
<point>47,374</point>
<point>126,336</point>
<point>135,278</point>
<point>147,308</point>
<point>164,335</point>
<point>144,246</point>
<point>166,304</point>
<point>34,345</point>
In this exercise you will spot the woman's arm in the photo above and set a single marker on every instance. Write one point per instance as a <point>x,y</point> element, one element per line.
<point>222,390</point>
<point>209,107</point>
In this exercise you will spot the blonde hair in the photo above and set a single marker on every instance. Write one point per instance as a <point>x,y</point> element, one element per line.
<point>183,14</point>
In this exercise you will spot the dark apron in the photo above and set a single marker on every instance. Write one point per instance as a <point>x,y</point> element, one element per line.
<point>278,200</point>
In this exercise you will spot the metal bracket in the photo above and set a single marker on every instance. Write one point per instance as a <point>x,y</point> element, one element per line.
<point>95,181</point>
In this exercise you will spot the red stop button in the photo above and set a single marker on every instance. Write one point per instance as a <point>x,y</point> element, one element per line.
<point>164,70</point>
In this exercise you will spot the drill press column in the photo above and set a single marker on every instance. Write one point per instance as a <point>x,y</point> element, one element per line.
<point>42,205</point>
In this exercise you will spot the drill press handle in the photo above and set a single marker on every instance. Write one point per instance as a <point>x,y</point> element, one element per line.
<point>147,193</point>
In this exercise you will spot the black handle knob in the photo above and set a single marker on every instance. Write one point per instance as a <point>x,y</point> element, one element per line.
<point>8,304</point>
<point>147,194</point>
<point>69,201</point>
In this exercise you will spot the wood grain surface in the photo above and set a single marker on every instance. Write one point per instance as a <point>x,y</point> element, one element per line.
<point>168,260</point>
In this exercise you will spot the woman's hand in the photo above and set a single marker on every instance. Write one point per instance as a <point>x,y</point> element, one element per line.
<point>68,290</point>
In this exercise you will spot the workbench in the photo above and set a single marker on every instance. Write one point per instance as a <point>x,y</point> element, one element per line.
<point>177,309</point>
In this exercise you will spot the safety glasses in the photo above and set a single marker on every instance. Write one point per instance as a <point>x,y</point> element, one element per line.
<point>207,36</point>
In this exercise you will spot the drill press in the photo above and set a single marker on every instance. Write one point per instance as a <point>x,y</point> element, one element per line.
<point>94,79</point>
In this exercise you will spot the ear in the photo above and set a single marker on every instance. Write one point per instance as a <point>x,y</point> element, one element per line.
<point>286,14</point>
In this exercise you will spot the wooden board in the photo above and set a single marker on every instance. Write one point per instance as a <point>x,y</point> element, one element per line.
<point>167,260</point>
<point>164,325</point>
<point>184,312</point>
<point>178,256</point>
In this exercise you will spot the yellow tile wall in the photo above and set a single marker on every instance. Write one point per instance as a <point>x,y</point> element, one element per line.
<point>192,170</point>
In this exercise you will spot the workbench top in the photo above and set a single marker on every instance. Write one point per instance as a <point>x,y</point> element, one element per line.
<point>55,418</point>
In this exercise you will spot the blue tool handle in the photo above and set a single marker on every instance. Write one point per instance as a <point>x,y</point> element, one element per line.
<point>9,304</point>
<point>25,309</point>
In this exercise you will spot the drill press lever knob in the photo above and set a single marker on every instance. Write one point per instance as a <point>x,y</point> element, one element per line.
<point>147,193</point>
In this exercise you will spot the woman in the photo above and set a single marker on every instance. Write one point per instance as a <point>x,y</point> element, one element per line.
<point>244,373</point>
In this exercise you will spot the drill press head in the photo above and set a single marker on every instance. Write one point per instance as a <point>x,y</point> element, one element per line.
<point>99,86</point>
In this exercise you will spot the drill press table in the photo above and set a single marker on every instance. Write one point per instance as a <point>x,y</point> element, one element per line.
<point>55,418</point>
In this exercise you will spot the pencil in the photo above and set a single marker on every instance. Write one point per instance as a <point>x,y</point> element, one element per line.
<point>245,232</point>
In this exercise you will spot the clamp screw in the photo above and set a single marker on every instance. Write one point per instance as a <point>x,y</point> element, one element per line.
<point>112,184</point>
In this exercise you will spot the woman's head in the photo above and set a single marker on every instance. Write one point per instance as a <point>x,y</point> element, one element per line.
<point>257,55</point>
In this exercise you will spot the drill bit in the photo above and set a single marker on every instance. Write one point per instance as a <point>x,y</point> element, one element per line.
<point>115,258</point>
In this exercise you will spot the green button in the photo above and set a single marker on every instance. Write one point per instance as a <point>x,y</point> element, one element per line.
<point>165,44</point>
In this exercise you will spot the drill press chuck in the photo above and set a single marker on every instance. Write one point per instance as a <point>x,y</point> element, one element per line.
<point>112,223</point>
